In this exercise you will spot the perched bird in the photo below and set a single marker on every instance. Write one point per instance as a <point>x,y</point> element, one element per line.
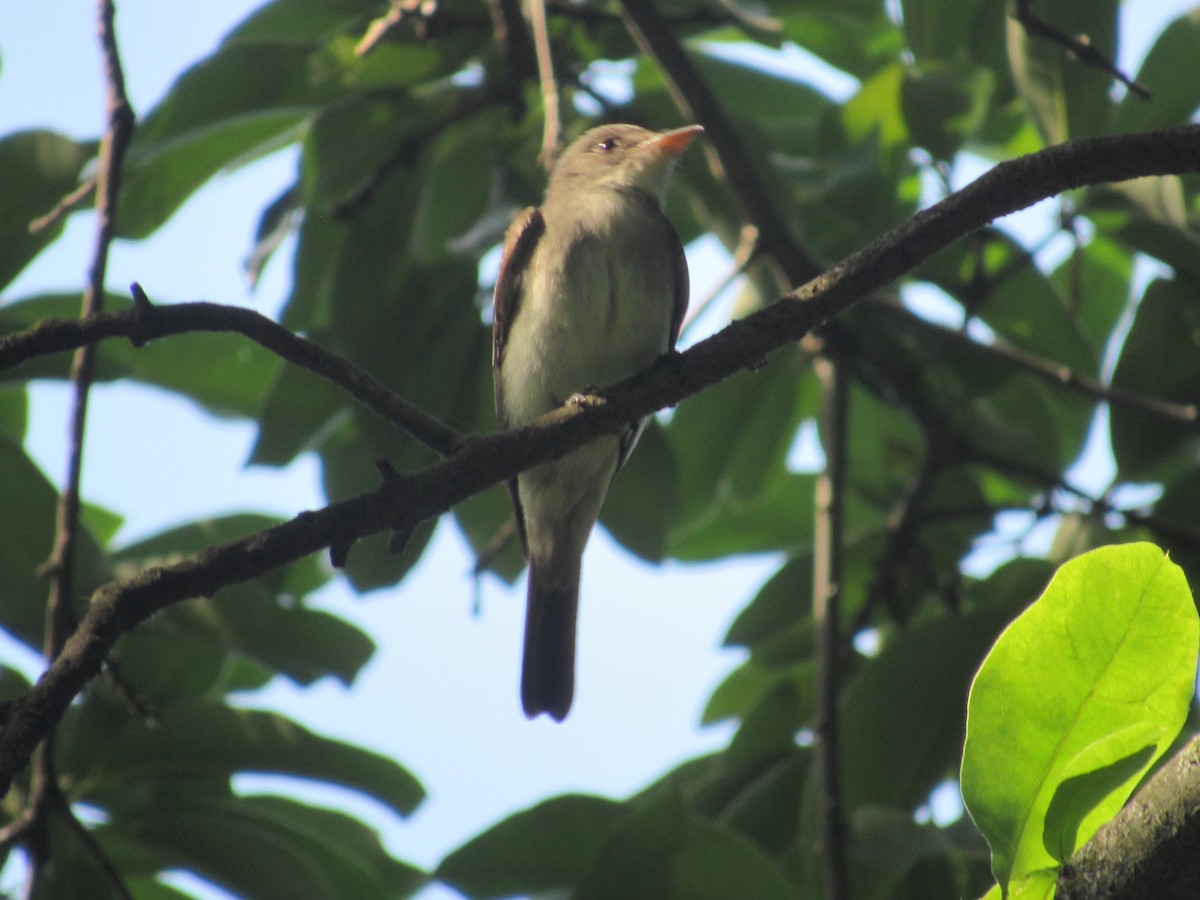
<point>592,289</point>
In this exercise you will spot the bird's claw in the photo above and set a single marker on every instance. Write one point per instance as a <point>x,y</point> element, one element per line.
<point>588,398</point>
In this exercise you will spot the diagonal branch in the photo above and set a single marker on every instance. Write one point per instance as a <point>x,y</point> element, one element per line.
<point>144,322</point>
<point>480,462</point>
<point>1080,47</point>
<point>108,183</point>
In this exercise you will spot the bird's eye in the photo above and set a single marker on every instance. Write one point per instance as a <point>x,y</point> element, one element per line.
<point>609,143</point>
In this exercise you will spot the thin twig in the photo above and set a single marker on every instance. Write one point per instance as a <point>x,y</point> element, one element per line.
<point>828,537</point>
<point>60,617</point>
<point>64,207</point>
<point>551,116</point>
<point>1080,47</point>
<point>108,183</point>
<point>83,834</point>
<point>145,322</point>
<point>1054,372</point>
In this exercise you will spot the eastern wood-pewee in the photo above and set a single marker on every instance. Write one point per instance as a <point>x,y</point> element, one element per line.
<point>592,289</point>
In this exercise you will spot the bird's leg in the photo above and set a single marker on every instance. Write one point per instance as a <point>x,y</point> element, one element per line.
<point>588,398</point>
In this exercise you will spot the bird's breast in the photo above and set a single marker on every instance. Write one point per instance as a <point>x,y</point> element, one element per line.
<point>596,310</point>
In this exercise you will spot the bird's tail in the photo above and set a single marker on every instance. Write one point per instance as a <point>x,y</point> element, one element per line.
<point>548,671</point>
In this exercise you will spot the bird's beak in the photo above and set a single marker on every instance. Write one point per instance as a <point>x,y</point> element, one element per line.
<point>672,143</point>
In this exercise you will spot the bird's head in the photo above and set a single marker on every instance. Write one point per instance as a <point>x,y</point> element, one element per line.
<point>622,156</point>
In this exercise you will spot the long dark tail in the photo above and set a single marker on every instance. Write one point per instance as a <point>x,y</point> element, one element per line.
<point>548,671</point>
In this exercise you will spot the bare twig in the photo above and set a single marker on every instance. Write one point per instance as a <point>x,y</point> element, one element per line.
<point>60,618</point>
<point>479,462</point>
<point>67,205</point>
<point>1080,47</point>
<point>145,322</point>
<point>551,116</point>
<point>112,151</point>
<point>116,884</point>
<point>828,506</point>
<point>398,11</point>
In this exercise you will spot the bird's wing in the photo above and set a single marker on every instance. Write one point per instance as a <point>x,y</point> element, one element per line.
<point>682,283</point>
<point>629,437</point>
<point>519,241</point>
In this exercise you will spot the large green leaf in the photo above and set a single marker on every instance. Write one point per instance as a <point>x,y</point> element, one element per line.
<point>198,742</point>
<point>37,169</point>
<point>263,846</point>
<point>937,29</point>
<point>1158,360</point>
<point>27,539</point>
<point>548,847</point>
<point>263,619</point>
<point>240,102</point>
<point>1077,699</point>
<point>756,415</point>
<point>1067,97</point>
<point>14,411</point>
<point>1174,99</point>
<point>663,852</point>
<point>902,718</point>
<point>642,502</point>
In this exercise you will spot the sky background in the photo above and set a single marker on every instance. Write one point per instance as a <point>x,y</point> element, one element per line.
<point>440,695</point>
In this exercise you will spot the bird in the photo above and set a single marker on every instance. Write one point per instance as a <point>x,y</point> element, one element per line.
<point>592,289</point>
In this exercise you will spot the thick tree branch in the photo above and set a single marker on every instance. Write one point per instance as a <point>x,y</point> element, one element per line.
<point>480,462</point>
<point>1148,851</point>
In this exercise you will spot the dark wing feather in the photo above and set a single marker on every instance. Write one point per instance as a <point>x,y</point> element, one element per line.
<point>629,438</point>
<point>519,241</point>
<point>682,283</point>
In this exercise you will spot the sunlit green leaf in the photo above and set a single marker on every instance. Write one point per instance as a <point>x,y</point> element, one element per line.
<point>1077,699</point>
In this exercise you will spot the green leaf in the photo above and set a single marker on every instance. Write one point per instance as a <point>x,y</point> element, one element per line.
<point>14,411</point>
<point>455,187</point>
<point>1067,97</point>
<point>27,539</point>
<point>547,847</point>
<point>642,502</point>
<point>195,741</point>
<point>902,717</point>
<point>937,29</point>
<point>760,411</point>
<point>1157,360</point>
<point>246,99</point>
<point>1175,99</point>
<point>859,39</point>
<point>264,618</point>
<point>1091,683</point>
<point>945,104</point>
<point>665,853</point>
<point>781,604</point>
<point>264,847</point>
<point>37,169</point>
<point>875,111</point>
<point>301,20</point>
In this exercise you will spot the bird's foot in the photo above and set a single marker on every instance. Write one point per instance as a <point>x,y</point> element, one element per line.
<point>588,398</point>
